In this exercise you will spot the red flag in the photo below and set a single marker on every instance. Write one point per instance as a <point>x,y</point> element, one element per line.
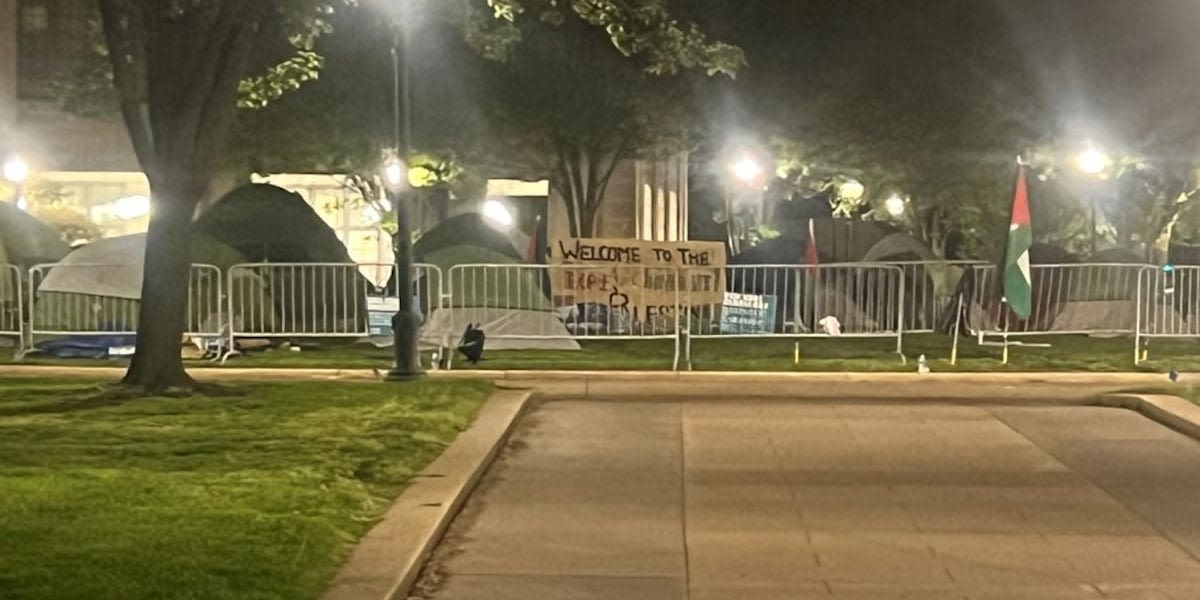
<point>810,251</point>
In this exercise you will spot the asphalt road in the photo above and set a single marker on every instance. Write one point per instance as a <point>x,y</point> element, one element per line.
<point>753,500</point>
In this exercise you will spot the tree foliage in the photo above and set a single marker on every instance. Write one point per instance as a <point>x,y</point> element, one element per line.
<point>566,104</point>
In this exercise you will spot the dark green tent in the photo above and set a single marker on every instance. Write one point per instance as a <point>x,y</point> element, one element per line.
<point>25,241</point>
<point>266,223</point>
<point>469,229</point>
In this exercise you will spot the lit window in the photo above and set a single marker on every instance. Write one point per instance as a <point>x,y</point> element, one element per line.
<point>35,18</point>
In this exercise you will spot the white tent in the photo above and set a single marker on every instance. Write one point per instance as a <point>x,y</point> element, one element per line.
<point>98,287</point>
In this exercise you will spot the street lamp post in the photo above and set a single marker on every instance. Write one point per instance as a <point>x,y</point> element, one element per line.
<point>1093,162</point>
<point>405,324</point>
<point>746,171</point>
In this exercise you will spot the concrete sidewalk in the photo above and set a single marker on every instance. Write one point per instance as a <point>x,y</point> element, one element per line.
<point>776,500</point>
<point>1026,388</point>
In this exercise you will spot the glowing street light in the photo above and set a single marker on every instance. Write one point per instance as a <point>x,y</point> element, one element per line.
<point>16,170</point>
<point>1092,161</point>
<point>394,174</point>
<point>895,205</point>
<point>747,170</point>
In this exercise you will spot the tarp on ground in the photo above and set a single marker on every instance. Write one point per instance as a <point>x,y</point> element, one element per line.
<point>510,304</point>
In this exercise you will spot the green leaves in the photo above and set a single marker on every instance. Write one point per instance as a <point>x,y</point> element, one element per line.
<point>287,76</point>
<point>642,29</point>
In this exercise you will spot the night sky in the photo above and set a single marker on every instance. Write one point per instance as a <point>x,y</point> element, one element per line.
<point>1101,69</point>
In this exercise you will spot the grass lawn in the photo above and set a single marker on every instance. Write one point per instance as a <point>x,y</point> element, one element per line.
<point>1066,353</point>
<point>255,496</point>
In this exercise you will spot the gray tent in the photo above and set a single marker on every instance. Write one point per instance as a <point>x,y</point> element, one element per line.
<point>508,303</point>
<point>97,288</point>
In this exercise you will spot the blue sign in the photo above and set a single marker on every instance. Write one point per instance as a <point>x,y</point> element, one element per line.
<point>380,312</point>
<point>743,314</point>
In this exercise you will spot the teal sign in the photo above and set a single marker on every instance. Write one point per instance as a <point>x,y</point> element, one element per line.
<point>380,312</point>
<point>743,314</point>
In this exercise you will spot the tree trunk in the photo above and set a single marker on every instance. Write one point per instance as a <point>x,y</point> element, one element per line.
<point>162,319</point>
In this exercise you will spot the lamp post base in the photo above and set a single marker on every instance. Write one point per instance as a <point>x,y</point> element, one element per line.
<point>403,375</point>
<point>405,326</point>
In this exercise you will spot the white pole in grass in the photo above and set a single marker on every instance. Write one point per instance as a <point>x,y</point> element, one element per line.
<point>957,328</point>
<point>1004,307</point>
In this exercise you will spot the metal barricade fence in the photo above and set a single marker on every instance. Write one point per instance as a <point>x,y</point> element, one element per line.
<point>842,300</point>
<point>1168,305</point>
<point>1066,299</point>
<point>12,302</point>
<point>565,301</point>
<point>321,300</point>
<point>93,300</point>
<point>931,291</point>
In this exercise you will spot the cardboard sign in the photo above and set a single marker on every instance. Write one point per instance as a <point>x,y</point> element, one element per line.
<point>748,314</point>
<point>643,278</point>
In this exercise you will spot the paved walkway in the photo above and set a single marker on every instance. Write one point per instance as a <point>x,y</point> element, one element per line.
<point>749,500</point>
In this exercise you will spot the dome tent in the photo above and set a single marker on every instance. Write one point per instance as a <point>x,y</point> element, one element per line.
<point>509,304</point>
<point>26,241</point>
<point>929,281</point>
<point>268,224</point>
<point>98,287</point>
<point>467,228</point>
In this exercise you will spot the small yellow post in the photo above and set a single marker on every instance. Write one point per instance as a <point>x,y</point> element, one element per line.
<point>796,354</point>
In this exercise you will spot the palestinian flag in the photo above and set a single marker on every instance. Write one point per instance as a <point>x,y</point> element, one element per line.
<point>1018,285</point>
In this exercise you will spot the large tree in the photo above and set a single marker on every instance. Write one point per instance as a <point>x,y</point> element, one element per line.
<point>567,105</point>
<point>180,66</point>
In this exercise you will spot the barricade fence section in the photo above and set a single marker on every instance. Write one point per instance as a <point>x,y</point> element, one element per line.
<point>93,300</point>
<point>931,290</point>
<point>1066,299</point>
<point>556,306</point>
<point>323,300</point>
<point>1169,305</point>
<point>567,301</point>
<point>835,300</point>
<point>12,302</point>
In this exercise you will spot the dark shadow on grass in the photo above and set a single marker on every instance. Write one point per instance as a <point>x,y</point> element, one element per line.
<point>114,395</point>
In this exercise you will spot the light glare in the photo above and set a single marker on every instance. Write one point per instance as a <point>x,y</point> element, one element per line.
<point>497,213</point>
<point>394,173</point>
<point>1092,161</point>
<point>132,207</point>
<point>747,170</point>
<point>895,205</point>
<point>16,170</point>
